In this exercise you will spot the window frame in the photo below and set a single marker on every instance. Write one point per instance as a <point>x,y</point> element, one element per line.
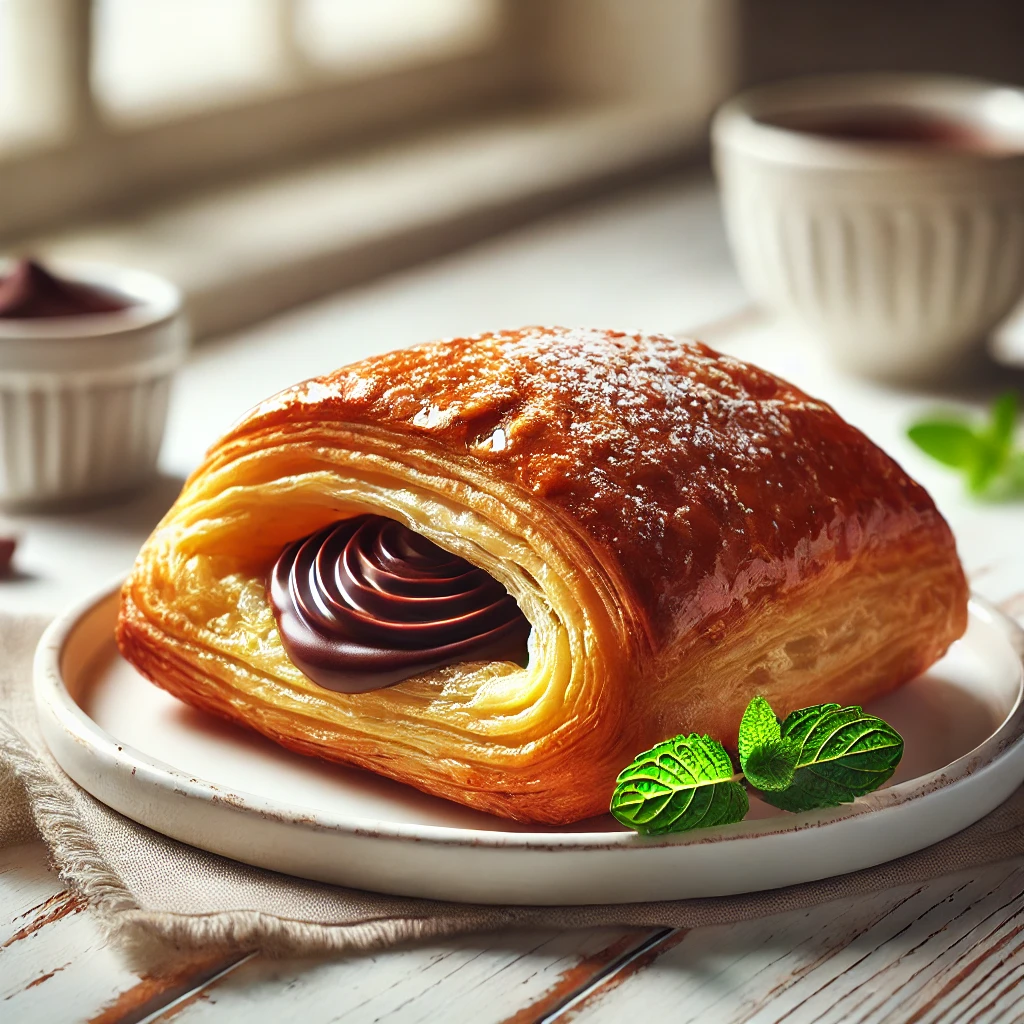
<point>91,162</point>
<point>675,56</point>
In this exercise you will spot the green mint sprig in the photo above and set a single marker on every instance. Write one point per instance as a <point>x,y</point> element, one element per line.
<point>768,761</point>
<point>841,754</point>
<point>984,453</point>
<point>820,756</point>
<point>686,782</point>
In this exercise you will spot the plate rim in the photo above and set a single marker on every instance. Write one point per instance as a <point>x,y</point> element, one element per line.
<point>54,700</point>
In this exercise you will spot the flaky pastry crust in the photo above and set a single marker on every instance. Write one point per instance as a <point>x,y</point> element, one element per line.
<point>682,531</point>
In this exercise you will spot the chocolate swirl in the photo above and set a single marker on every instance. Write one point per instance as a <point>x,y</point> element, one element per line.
<point>366,603</point>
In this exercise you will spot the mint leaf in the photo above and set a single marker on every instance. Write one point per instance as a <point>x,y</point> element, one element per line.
<point>771,768</point>
<point>950,442</point>
<point>1003,419</point>
<point>1013,481</point>
<point>758,727</point>
<point>985,455</point>
<point>996,443</point>
<point>686,782</point>
<point>843,753</point>
<point>767,760</point>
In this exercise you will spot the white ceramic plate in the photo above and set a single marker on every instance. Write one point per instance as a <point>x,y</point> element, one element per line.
<point>230,791</point>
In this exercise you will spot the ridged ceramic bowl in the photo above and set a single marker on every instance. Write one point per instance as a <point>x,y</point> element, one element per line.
<point>899,254</point>
<point>83,399</point>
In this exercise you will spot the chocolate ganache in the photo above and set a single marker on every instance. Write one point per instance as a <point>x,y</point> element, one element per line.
<point>30,291</point>
<point>366,603</point>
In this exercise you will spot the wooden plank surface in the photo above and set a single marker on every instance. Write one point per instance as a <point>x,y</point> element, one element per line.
<point>485,978</point>
<point>948,950</point>
<point>56,963</point>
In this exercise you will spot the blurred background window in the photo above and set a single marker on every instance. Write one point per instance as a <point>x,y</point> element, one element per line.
<point>106,104</point>
<point>150,56</point>
<point>112,107</point>
<point>148,127</point>
<point>158,57</point>
<point>356,36</point>
<point>27,112</point>
<point>15,119</point>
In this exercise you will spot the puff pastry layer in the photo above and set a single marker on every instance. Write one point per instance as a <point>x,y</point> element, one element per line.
<point>682,531</point>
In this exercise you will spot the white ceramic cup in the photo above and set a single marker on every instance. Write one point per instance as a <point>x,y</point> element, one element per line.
<point>83,399</point>
<point>900,256</point>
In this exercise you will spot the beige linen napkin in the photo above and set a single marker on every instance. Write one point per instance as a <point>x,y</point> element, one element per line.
<point>148,888</point>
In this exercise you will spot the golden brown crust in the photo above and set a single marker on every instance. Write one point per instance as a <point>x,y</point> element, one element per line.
<point>702,479</point>
<point>697,528</point>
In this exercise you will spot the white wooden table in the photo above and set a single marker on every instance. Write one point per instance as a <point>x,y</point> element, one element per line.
<point>950,950</point>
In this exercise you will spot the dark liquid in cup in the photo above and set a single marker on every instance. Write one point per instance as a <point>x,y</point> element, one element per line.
<point>897,126</point>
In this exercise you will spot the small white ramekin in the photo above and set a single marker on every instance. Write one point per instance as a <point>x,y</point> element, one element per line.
<point>83,399</point>
<point>900,258</point>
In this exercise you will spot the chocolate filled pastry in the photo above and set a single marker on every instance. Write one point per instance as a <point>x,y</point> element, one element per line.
<point>495,568</point>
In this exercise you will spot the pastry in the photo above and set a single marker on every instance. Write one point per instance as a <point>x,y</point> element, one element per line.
<point>497,567</point>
